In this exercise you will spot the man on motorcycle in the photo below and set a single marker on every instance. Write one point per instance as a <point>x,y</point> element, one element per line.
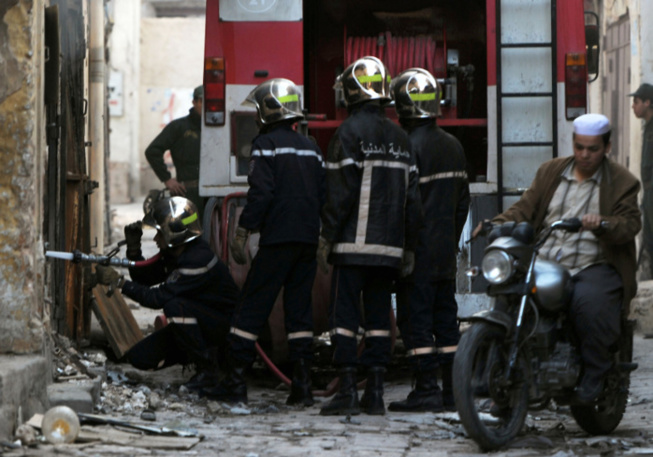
<point>601,257</point>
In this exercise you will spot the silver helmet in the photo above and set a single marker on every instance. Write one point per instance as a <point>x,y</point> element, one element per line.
<point>276,100</point>
<point>365,79</point>
<point>177,220</point>
<point>416,94</point>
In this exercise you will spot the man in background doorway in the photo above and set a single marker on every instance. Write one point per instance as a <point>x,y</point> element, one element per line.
<point>643,109</point>
<point>182,138</point>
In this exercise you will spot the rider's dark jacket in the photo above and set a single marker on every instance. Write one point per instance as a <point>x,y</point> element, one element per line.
<point>373,206</point>
<point>618,206</point>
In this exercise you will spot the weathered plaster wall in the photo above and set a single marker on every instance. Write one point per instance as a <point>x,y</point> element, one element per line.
<point>125,167</point>
<point>22,151</point>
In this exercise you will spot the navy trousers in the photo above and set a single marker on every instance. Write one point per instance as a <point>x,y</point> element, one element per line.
<point>290,266</point>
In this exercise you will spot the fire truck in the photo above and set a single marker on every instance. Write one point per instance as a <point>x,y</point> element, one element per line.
<point>515,74</point>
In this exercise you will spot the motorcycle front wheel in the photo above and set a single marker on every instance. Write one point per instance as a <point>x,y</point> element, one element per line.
<point>492,409</point>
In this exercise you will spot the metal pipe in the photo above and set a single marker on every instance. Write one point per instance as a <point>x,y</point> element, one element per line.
<point>96,122</point>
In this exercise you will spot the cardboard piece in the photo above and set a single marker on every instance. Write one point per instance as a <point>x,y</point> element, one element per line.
<point>116,320</point>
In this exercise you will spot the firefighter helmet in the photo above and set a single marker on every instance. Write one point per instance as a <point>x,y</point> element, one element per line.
<point>416,94</point>
<point>365,79</point>
<point>276,100</point>
<point>177,220</point>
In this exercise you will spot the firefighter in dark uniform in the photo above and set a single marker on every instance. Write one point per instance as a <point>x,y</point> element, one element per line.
<point>369,231</point>
<point>188,282</point>
<point>286,193</point>
<point>182,138</point>
<point>426,303</point>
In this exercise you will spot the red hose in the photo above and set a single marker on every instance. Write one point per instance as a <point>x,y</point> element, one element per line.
<point>146,262</point>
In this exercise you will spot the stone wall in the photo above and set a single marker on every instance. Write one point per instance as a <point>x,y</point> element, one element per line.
<point>22,147</point>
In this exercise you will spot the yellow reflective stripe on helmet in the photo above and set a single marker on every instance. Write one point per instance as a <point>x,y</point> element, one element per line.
<point>289,98</point>
<point>422,97</point>
<point>190,219</point>
<point>369,78</point>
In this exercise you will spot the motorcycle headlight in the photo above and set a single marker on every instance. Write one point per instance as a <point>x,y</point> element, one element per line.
<point>497,266</point>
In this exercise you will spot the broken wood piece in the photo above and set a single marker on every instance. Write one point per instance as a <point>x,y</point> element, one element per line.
<point>116,320</point>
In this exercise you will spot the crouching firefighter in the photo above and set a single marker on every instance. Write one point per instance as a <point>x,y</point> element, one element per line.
<point>426,303</point>
<point>189,283</point>
<point>286,192</point>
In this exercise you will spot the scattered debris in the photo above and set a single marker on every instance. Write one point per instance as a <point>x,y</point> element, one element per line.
<point>96,419</point>
<point>26,434</point>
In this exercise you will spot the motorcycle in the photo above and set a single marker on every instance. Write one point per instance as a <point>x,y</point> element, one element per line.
<point>522,353</point>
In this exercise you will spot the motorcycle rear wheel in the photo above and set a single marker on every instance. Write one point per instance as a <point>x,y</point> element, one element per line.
<point>603,417</point>
<point>491,409</point>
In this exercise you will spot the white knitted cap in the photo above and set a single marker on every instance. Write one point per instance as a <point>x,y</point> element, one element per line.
<point>591,124</point>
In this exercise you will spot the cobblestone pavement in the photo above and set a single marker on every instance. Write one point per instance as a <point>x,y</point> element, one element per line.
<point>267,427</point>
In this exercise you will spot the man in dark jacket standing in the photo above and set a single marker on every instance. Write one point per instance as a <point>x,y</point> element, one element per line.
<point>643,109</point>
<point>426,303</point>
<point>286,179</point>
<point>182,138</point>
<point>188,282</point>
<point>369,231</point>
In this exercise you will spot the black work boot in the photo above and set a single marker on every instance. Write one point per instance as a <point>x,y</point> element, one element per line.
<point>205,377</point>
<point>207,371</point>
<point>447,387</point>
<point>425,397</point>
<point>345,402</point>
<point>372,400</point>
<point>300,389</point>
<point>232,388</point>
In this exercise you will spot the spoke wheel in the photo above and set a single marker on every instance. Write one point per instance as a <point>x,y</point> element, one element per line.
<point>491,408</point>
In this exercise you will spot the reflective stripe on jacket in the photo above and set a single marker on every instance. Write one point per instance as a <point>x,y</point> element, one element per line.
<point>373,210</point>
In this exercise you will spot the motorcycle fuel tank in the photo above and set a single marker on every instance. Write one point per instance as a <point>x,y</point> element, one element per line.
<point>553,285</point>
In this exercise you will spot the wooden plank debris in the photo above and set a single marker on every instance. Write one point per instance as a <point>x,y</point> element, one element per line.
<point>116,320</point>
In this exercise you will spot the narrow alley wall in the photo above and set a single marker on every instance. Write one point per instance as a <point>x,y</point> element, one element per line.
<point>22,146</point>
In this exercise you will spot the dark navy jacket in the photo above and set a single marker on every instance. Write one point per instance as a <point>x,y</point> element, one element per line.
<point>286,188</point>
<point>373,210</point>
<point>182,138</point>
<point>444,189</point>
<point>197,276</point>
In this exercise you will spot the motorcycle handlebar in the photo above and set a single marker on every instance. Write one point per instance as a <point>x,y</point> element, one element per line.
<point>572,225</point>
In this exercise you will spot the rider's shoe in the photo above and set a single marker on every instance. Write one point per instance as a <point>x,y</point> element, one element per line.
<point>589,389</point>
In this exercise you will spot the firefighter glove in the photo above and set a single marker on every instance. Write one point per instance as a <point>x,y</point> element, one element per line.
<point>109,277</point>
<point>133,234</point>
<point>237,245</point>
<point>407,263</point>
<point>323,251</point>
